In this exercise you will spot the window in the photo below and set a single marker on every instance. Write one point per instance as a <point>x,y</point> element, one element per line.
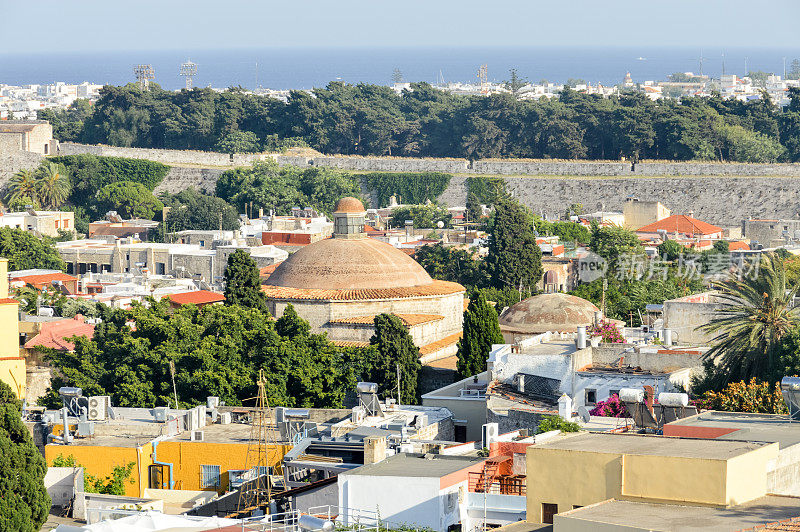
<point>576,506</point>
<point>161,268</point>
<point>548,511</point>
<point>461,433</point>
<point>209,476</point>
<point>46,149</point>
<point>70,268</point>
<point>590,397</point>
<point>66,224</point>
<point>158,480</point>
<point>202,243</point>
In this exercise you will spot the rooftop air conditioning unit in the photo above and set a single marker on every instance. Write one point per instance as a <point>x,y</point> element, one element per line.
<point>196,435</point>
<point>98,407</point>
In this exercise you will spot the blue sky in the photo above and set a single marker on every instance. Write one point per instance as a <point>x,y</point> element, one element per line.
<point>87,25</point>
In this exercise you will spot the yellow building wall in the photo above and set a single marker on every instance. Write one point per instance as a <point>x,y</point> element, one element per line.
<point>580,478</point>
<point>12,366</point>
<point>100,461</point>
<point>665,478</point>
<point>745,480</point>
<point>570,478</point>
<point>188,457</point>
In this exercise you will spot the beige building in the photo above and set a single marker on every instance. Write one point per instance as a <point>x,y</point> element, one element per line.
<point>685,315</point>
<point>42,223</point>
<point>641,213</point>
<point>34,136</point>
<point>178,260</point>
<point>581,469</point>
<point>340,284</point>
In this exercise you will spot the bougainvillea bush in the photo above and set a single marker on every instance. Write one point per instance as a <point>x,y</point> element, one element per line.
<point>611,407</point>
<point>607,331</point>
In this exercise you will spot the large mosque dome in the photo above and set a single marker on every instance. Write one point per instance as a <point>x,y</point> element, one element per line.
<point>554,312</point>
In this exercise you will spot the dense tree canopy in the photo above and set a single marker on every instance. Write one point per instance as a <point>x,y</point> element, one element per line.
<point>25,250</point>
<point>424,121</point>
<point>514,260</point>
<point>395,349</point>
<point>129,199</point>
<point>24,504</point>
<point>243,283</point>
<point>190,209</point>
<point>481,330</point>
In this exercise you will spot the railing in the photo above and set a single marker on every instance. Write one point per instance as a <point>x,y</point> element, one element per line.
<point>507,485</point>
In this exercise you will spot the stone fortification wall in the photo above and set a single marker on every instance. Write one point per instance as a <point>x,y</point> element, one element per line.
<point>13,161</point>
<point>576,168</point>
<point>199,158</point>
<point>722,200</point>
<point>715,169</point>
<point>180,178</point>
<point>378,164</point>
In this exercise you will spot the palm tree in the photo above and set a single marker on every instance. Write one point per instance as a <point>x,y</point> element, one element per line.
<point>22,188</point>
<point>754,315</point>
<point>53,186</point>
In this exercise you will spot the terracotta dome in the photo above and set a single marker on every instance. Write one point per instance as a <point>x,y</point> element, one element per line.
<point>548,312</point>
<point>346,264</point>
<point>349,204</point>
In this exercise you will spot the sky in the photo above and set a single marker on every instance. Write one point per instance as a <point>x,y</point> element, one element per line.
<point>111,25</point>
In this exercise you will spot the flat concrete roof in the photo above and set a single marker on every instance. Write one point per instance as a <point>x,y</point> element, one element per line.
<point>642,444</point>
<point>672,517</point>
<point>416,465</point>
<point>555,347</point>
<point>747,426</point>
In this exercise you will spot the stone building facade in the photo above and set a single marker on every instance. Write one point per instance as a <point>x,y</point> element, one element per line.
<point>35,136</point>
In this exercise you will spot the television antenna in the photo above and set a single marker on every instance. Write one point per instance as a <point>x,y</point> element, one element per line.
<point>144,75</point>
<point>189,71</point>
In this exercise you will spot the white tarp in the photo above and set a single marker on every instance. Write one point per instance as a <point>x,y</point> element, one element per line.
<point>153,521</point>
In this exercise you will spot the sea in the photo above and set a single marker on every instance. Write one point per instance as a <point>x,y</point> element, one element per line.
<point>306,68</point>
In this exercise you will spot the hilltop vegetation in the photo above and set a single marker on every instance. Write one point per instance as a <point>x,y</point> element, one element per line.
<point>373,120</point>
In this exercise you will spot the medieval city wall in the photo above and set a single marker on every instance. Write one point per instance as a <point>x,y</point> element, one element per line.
<point>12,162</point>
<point>171,157</point>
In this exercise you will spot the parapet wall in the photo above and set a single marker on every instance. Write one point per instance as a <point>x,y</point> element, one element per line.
<point>378,164</point>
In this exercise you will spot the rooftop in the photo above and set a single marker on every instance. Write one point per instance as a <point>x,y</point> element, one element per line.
<point>198,297</point>
<point>640,444</point>
<point>741,426</point>
<point>651,516</point>
<point>681,223</point>
<point>417,465</point>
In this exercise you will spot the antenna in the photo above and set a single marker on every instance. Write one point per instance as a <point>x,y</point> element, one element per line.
<point>482,75</point>
<point>254,493</point>
<point>144,75</point>
<point>189,71</point>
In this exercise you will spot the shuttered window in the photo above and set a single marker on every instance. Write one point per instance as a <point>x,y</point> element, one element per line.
<point>209,476</point>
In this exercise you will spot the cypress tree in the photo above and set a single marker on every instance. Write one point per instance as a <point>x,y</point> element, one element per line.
<point>514,260</point>
<point>395,346</point>
<point>243,283</point>
<point>481,330</point>
<point>24,503</point>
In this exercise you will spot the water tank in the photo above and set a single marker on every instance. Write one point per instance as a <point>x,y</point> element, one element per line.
<point>160,413</point>
<point>212,402</point>
<point>673,399</point>
<point>631,395</point>
<point>367,387</point>
<point>581,340</point>
<point>790,389</point>
<point>309,522</point>
<point>668,337</point>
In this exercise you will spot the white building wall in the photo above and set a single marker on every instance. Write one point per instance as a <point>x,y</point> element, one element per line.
<point>415,501</point>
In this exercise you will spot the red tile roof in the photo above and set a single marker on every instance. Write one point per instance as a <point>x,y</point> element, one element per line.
<point>735,246</point>
<point>349,343</point>
<point>8,301</point>
<point>681,223</point>
<point>199,297</point>
<point>44,279</point>
<point>440,344</point>
<point>436,288</point>
<point>54,334</point>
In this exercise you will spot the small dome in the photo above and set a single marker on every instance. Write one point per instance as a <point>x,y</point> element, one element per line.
<point>349,204</point>
<point>548,312</point>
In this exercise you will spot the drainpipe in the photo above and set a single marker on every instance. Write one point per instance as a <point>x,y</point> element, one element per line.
<point>155,461</point>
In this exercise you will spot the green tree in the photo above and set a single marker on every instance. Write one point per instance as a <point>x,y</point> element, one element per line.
<point>452,264</point>
<point>243,282</point>
<point>514,260</point>
<point>113,484</point>
<point>549,423</point>
<point>25,504</point>
<point>129,199</point>
<point>22,189</point>
<point>239,142</point>
<point>190,209</point>
<point>290,324</point>
<point>616,245</point>
<point>25,250</point>
<point>755,314</point>
<point>670,250</point>
<point>423,216</point>
<point>481,330</point>
<point>395,348</point>
<point>515,82</point>
<point>52,185</point>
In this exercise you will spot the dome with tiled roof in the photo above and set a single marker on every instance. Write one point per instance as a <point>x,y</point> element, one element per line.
<point>349,264</point>
<point>349,204</point>
<point>547,312</point>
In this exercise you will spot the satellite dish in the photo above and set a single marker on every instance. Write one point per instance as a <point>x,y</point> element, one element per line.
<point>584,414</point>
